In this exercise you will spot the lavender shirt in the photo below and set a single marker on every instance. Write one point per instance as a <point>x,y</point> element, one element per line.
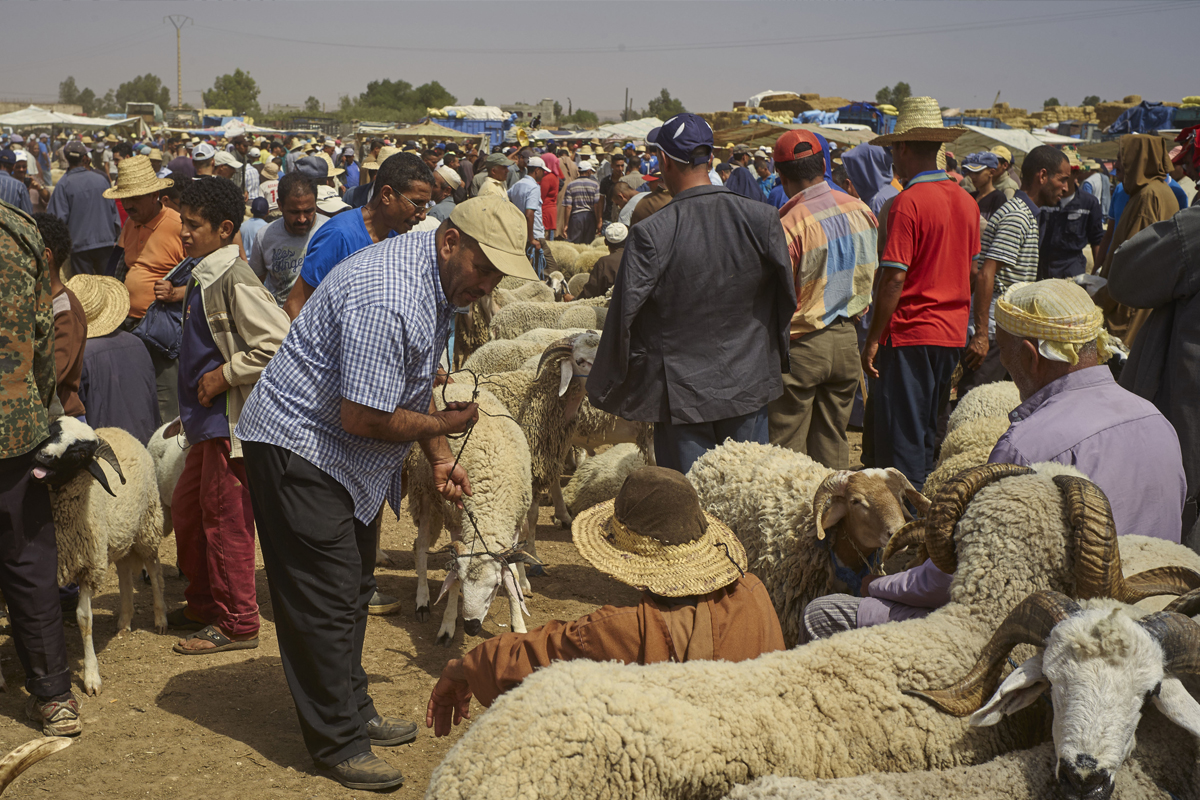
<point>1120,441</point>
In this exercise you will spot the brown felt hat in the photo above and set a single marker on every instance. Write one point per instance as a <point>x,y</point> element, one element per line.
<point>654,536</point>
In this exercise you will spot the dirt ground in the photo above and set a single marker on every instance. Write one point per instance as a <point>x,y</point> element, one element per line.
<point>223,726</point>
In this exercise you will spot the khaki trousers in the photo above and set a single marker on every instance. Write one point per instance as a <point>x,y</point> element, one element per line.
<point>813,412</point>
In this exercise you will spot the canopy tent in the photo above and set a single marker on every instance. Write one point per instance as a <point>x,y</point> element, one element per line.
<point>976,139</point>
<point>1045,137</point>
<point>425,130</point>
<point>34,117</point>
<point>765,133</point>
<point>634,130</point>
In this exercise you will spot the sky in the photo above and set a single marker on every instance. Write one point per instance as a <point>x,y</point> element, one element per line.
<point>708,54</point>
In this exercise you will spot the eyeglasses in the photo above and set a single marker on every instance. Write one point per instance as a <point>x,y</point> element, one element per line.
<point>418,208</point>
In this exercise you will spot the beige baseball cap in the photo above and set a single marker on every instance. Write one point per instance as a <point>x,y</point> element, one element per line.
<point>499,228</point>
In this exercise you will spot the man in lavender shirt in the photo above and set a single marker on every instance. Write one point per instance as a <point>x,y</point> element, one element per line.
<point>1051,340</point>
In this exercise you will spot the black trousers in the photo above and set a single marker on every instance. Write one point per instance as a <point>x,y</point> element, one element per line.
<point>29,578</point>
<point>91,262</point>
<point>320,563</point>
<point>900,423</point>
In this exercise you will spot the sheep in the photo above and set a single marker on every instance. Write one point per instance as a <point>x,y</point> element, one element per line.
<point>472,330</point>
<point>497,461</point>
<point>769,495</point>
<point>989,400</point>
<point>168,448</point>
<point>506,355</point>
<point>577,282</point>
<point>517,318</point>
<point>529,292</point>
<point>97,524</point>
<point>600,478</point>
<point>596,428</point>
<point>581,316</point>
<point>833,708</point>
<point>560,256</point>
<point>588,258</point>
<point>28,754</point>
<point>973,434</point>
<point>947,468</point>
<point>557,284</point>
<point>545,403</point>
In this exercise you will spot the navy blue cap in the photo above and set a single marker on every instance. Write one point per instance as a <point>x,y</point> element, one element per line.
<point>8,157</point>
<point>313,167</point>
<point>980,161</point>
<point>259,207</point>
<point>680,135</point>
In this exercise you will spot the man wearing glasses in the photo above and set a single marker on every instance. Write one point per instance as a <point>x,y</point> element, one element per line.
<point>402,191</point>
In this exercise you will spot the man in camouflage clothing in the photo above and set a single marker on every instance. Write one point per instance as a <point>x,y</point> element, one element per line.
<point>28,555</point>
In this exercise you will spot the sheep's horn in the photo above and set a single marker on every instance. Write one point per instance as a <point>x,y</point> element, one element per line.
<point>1030,622</point>
<point>1169,579</point>
<point>900,486</point>
<point>563,346</point>
<point>913,533</point>
<point>833,486</point>
<point>29,754</point>
<point>1188,604</point>
<point>105,451</point>
<point>1180,640</point>
<point>951,502</point>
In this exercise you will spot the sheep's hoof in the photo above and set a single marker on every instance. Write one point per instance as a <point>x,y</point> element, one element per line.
<point>563,524</point>
<point>445,639</point>
<point>535,571</point>
<point>92,685</point>
<point>382,559</point>
<point>422,613</point>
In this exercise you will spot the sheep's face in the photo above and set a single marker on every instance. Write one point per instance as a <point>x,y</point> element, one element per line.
<point>872,507</point>
<point>557,283</point>
<point>1102,668</point>
<point>482,576</point>
<point>70,449</point>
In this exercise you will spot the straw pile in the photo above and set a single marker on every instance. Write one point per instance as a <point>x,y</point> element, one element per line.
<point>795,104</point>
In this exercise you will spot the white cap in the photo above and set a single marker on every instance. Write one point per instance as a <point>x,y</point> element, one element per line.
<point>203,152</point>
<point>225,159</point>
<point>328,201</point>
<point>451,177</point>
<point>21,155</point>
<point>587,166</point>
<point>615,233</point>
<point>536,161</point>
<point>254,152</point>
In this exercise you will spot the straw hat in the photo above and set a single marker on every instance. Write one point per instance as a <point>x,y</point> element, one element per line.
<point>105,302</point>
<point>333,171</point>
<point>270,171</point>
<point>920,120</point>
<point>86,140</point>
<point>383,155</point>
<point>586,150</point>
<point>155,154</point>
<point>136,177</point>
<point>655,537</point>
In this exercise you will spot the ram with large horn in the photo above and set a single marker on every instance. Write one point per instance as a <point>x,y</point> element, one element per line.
<point>831,708</point>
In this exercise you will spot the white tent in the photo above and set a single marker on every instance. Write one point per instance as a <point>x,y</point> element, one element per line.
<point>1019,142</point>
<point>634,129</point>
<point>34,117</point>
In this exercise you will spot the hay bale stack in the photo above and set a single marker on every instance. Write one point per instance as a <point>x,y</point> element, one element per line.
<point>1107,113</point>
<point>1132,99</point>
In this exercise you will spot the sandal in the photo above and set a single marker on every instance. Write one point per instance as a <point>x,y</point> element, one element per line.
<point>212,633</point>
<point>180,621</point>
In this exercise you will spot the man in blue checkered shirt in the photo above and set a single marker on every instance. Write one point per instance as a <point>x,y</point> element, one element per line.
<point>325,433</point>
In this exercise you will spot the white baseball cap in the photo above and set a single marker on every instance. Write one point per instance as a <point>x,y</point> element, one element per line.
<point>536,161</point>
<point>203,152</point>
<point>587,166</point>
<point>225,159</point>
<point>451,177</point>
<point>328,201</point>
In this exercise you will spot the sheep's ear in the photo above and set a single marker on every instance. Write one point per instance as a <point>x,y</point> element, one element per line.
<point>105,451</point>
<point>833,512</point>
<point>1019,689</point>
<point>447,585</point>
<point>173,429</point>
<point>514,590</point>
<point>567,372</point>
<point>525,558</point>
<point>1178,705</point>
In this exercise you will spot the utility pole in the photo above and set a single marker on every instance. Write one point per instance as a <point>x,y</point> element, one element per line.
<point>625,110</point>
<point>178,20</point>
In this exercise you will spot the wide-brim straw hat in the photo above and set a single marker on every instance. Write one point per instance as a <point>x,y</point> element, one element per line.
<point>920,120</point>
<point>383,155</point>
<point>105,302</point>
<point>662,501</point>
<point>333,171</point>
<point>136,177</point>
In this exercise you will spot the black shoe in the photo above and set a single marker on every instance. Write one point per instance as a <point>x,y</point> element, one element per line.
<point>390,731</point>
<point>365,771</point>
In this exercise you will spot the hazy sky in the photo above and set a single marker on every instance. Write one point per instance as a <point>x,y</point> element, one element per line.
<point>708,54</point>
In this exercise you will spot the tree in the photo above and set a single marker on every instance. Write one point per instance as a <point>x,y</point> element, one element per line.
<point>237,91</point>
<point>69,93</point>
<point>146,88</point>
<point>664,106</point>
<point>1092,99</point>
<point>557,110</point>
<point>401,94</point>
<point>1052,101</point>
<point>583,118</point>
<point>478,101</point>
<point>893,96</point>
<point>107,105</point>
<point>312,105</point>
<point>432,95</point>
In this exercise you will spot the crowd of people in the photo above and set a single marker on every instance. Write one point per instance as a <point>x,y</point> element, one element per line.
<point>285,304</point>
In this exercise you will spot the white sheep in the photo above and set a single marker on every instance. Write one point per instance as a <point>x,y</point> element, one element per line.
<point>483,559</point>
<point>973,434</point>
<point>506,355</point>
<point>168,447</point>
<point>600,478</point>
<point>557,284</point>
<point>833,708</point>
<point>577,282</point>
<point>98,522</point>
<point>596,428</point>
<point>560,256</point>
<point>989,400</point>
<point>517,318</point>
<point>808,530</point>
<point>527,292</point>
<point>577,316</point>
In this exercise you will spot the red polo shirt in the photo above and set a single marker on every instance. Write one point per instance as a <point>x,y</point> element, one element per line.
<point>932,234</point>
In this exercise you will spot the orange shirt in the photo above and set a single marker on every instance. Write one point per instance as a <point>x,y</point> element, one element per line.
<point>151,251</point>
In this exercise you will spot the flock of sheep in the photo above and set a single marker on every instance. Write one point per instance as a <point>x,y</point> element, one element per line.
<point>1041,583</point>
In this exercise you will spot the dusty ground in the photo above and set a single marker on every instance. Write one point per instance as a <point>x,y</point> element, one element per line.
<point>223,726</point>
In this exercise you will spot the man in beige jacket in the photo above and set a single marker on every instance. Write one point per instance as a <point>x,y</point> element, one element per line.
<point>231,329</point>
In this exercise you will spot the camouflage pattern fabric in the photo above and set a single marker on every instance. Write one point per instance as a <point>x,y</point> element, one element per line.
<point>26,335</point>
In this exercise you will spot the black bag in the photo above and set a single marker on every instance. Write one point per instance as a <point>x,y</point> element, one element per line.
<point>162,326</point>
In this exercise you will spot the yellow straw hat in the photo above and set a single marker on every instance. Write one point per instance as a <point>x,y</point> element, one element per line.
<point>136,177</point>
<point>105,302</point>
<point>329,162</point>
<point>1058,313</point>
<point>383,155</point>
<point>655,537</point>
<point>920,120</point>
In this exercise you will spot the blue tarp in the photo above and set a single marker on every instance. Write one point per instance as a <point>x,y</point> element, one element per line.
<point>1145,117</point>
<point>817,117</point>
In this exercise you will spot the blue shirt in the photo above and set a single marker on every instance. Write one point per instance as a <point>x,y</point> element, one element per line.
<point>198,355</point>
<point>372,333</point>
<point>352,174</point>
<point>526,194</point>
<point>342,236</point>
<point>249,228</point>
<point>78,201</point>
<point>1121,197</point>
<point>13,192</point>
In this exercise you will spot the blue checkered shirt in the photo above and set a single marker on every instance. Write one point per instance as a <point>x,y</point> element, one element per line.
<point>13,192</point>
<point>373,333</point>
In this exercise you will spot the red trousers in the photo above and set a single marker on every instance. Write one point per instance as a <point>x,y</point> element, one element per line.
<point>214,538</point>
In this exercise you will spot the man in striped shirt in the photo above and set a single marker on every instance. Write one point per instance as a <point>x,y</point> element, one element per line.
<point>584,205</point>
<point>12,191</point>
<point>831,239</point>
<point>1009,254</point>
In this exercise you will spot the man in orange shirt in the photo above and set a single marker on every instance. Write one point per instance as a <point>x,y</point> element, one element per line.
<point>152,246</point>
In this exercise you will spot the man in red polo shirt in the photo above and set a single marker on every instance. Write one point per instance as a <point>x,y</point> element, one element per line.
<point>919,326</point>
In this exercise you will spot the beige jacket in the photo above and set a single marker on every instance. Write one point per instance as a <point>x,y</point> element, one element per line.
<point>246,323</point>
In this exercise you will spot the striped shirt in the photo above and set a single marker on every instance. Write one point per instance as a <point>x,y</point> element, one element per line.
<point>581,195</point>
<point>1011,239</point>
<point>371,333</point>
<point>13,192</point>
<point>832,239</point>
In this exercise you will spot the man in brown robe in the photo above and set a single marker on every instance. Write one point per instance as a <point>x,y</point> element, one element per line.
<point>698,602</point>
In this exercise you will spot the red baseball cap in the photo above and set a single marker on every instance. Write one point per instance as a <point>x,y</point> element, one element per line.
<point>788,147</point>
